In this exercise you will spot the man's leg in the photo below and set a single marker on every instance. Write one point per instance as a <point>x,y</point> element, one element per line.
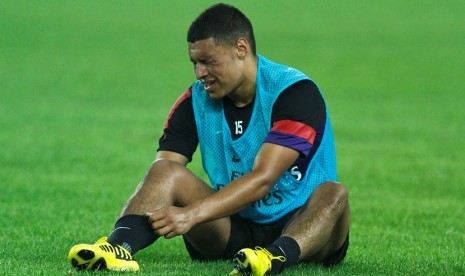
<point>313,234</point>
<point>167,183</point>
<point>321,226</point>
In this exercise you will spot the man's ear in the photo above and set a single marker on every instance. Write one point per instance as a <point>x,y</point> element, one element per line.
<point>242,48</point>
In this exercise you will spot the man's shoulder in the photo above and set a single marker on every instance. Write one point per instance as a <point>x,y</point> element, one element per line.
<point>275,76</point>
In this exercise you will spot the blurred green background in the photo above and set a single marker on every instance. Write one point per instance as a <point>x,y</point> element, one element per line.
<point>85,87</point>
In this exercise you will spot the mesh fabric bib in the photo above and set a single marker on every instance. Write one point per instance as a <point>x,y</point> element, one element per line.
<point>225,159</point>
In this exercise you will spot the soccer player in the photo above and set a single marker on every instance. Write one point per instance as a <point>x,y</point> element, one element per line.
<point>267,146</point>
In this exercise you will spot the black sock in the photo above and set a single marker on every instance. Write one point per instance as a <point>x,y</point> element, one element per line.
<point>287,247</point>
<point>133,232</point>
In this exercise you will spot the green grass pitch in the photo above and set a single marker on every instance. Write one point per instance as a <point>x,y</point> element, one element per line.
<point>85,87</point>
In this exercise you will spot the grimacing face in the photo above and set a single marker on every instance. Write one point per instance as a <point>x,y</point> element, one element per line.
<point>217,67</point>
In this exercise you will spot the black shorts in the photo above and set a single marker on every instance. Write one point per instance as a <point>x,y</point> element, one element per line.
<point>248,234</point>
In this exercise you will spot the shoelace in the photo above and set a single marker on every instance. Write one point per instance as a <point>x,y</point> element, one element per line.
<point>120,252</point>
<point>270,256</point>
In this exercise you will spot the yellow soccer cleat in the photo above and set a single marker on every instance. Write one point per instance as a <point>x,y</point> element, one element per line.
<point>254,262</point>
<point>101,256</point>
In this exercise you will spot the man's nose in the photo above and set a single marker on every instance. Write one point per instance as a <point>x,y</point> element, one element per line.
<point>200,71</point>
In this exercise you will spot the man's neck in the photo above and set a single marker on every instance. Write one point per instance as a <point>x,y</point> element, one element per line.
<point>245,93</point>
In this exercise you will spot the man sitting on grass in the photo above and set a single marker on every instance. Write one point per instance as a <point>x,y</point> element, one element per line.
<point>267,146</point>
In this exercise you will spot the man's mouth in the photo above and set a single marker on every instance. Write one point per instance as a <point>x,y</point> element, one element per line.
<point>207,85</point>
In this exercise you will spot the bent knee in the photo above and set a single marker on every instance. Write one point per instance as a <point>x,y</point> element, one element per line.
<point>165,169</point>
<point>164,164</point>
<point>336,191</point>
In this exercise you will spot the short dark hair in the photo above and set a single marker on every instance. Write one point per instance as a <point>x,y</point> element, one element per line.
<point>224,23</point>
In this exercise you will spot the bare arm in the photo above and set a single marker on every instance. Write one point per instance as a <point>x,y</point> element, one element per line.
<point>270,163</point>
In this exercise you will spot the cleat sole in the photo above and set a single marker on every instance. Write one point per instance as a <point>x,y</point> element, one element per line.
<point>100,264</point>
<point>78,266</point>
<point>86,254</point>
<point>239,261</point>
